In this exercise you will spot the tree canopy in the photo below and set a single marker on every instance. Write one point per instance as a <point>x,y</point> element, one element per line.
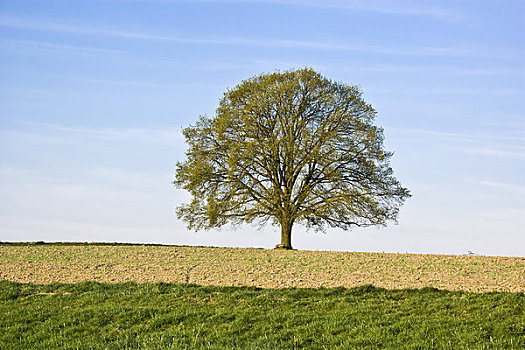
<point>289,147</point>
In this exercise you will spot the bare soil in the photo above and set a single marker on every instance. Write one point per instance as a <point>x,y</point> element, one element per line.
<point>50,263</point>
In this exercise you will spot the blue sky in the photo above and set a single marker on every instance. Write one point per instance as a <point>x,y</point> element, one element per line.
<point>93,96</point>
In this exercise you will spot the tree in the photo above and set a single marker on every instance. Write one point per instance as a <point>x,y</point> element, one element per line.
<point>289,147</point>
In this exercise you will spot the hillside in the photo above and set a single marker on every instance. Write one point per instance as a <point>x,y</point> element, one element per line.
<point>69,263</point>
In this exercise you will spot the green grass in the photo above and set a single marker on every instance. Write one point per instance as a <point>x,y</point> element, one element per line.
<point>91,315</point>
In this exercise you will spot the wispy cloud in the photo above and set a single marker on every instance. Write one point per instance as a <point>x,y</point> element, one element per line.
<point>496,152</point>
<point>416,8</point>
<point>51,47</point>
<point>124,83</point>
<point>449,70</point>
<point>84,30</point>
<point>510,145</point>
<point>251,42</point>
<point>46,132</point>
<point>462,136</point>
<point>510,187</point>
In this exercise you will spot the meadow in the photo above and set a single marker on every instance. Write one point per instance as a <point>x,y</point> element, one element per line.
<point>94,296</point>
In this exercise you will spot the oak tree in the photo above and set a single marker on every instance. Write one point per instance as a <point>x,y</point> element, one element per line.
<point>289,147</point>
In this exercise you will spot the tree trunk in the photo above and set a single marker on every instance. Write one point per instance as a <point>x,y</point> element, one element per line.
<point>286,235</point>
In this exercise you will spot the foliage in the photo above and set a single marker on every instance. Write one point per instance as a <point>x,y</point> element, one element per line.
<point>290,147</point>
<point>91,315</point>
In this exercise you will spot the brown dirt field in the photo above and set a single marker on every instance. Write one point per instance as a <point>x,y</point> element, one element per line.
<point>50,263</point>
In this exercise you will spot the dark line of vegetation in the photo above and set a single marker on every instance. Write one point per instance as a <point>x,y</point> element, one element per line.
<point>91,315</point>
<point>98,244</point>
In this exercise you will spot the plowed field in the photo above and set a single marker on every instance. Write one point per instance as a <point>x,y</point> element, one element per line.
<point>48,263</point>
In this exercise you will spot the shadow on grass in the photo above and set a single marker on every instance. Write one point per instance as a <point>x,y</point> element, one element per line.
<point>187,316</point>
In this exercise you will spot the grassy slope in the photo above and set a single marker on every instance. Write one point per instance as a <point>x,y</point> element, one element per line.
<point>70,263</point>
<point>179,315</point>
<point>184,316</point>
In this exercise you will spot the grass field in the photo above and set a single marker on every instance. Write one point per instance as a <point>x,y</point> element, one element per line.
<point>211,298</point>
<point>90,315</point>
